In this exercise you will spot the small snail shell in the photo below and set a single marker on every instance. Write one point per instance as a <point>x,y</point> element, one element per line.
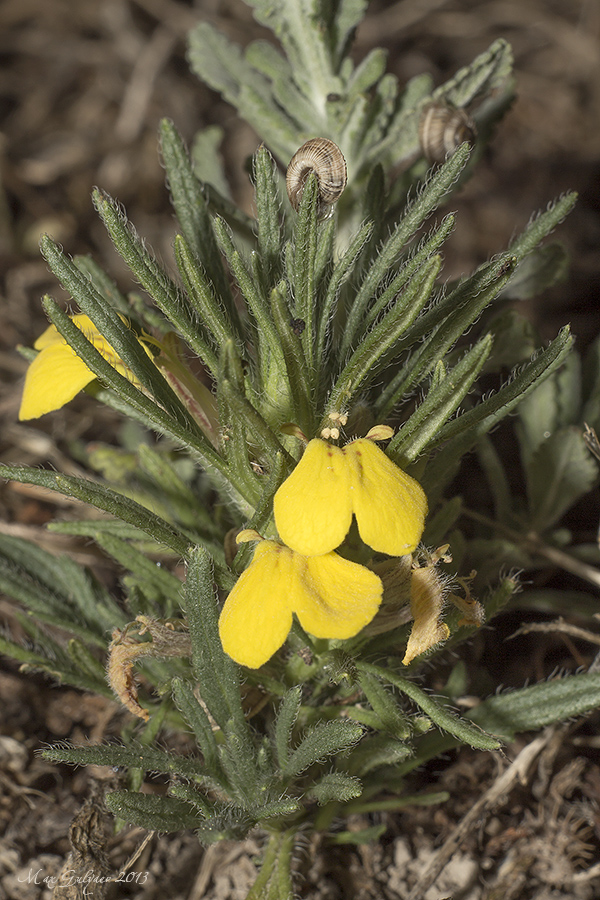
<point>442,129</point>
<point>326,160</point>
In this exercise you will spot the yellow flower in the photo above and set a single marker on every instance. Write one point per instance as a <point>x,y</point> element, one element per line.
<point>332,598</point>
<point>314,506</point>
<point>57,374</point>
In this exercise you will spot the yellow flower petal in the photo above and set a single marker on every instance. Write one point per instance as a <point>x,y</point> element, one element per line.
<point>332,597</point>
<point>49,337</point>
<point>426,601</point>
<point>57,374</point>
<point>53,378</point>
<point>340,597</point>
<point>257,615</point>
<point>313,508</point>
<point>390,506</point>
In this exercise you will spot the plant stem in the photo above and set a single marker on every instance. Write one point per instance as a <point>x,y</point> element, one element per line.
<point>274,881</point>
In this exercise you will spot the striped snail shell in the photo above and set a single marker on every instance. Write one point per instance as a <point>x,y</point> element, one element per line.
<point>326,160</point>
<point>442,129</point>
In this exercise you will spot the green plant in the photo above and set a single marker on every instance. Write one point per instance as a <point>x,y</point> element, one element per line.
<point>309,327</point>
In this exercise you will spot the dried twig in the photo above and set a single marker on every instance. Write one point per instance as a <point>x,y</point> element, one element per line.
<point>561,626</point>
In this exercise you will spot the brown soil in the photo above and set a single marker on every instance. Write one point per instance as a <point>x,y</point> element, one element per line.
<point>83,86</point>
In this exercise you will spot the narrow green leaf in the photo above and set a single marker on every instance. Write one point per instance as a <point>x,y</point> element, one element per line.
<point>217,674</point>
<point>368,72</point>
<point>61,576</point>
<point>324,740</point>
<point>163,290</point>
<point>52,657</point>
<point>377,751</point>
<point>121,338</point>
<point>345,18</point>
<point>91,527</point>
<point>394,804</point>
<point>86,662</point>
<point>335,786</point>
<point>279,129</point>
<point>102,498</point>
<point>284,724</point>
<point>425,423</point>
<point>219,63</point>
<point>103,369</point>
<point>541,226</point>
<point>192,212</point>
<point>285,91</point>
<point>374,199</point>
<point>264,510</point>
<point>342,270</point>
<point>186,504</point>
<point>268,212</point>
<point>365,836</point>
<point>442,521</point>
<point>268,60</point>
<point>196,717</point>
<point>236,218</point>
<point>294,358</point>
<point>152,812</point>
<point>303,275</point>
<point>207,161</point>
<point>382,702</point>
<point>496,476</point>
<point>237,447</point>
<point>149,759</point>
<point>190,793</point>
<point>307,35</point>
<point>461,434</point>
<point>103,283</point>
<point>231,825</point>
<point>447,721</point>
<point>57,590</point>
<point>408,269</point>
<point>552,406</point>
<point>541,704</point>
<point>211,311</point>
<point>428,200</point>
<point>152,578</point>
<point>364,363</point>
<point>488,413</point>
<point>491,69</point>
<point>28,658</point>
<point>445,324</point>
<point>253,293</point>
<point>276,809</point>
<point>543,268</point>
<point>254,421</point>
<point>183,428</point>
<point>515,339</point>
<point>239,761</point>
<point>326,247</point>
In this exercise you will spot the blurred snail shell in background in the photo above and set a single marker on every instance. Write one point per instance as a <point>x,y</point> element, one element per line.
<point>442,129</point>
<point>326,160</point>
